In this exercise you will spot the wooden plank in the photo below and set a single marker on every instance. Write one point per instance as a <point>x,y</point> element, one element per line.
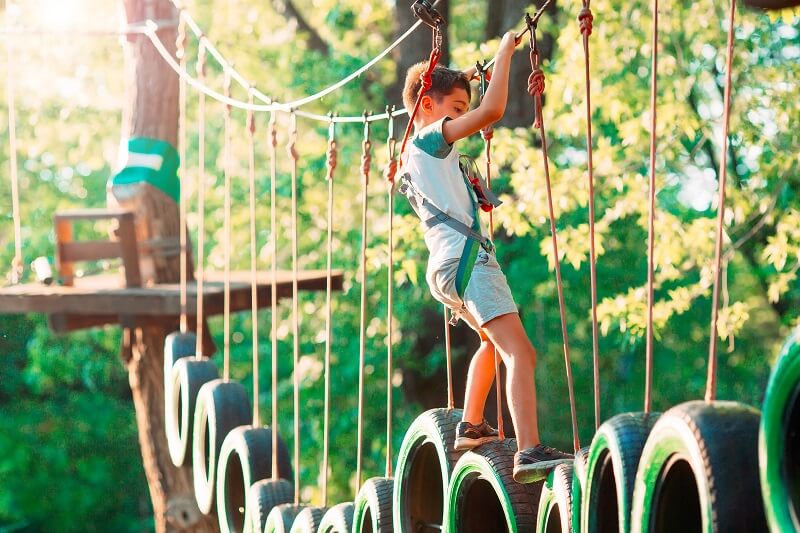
<point>94,214</point>
<point>89,251</point>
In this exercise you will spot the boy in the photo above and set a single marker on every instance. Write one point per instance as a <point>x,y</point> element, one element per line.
<point>478,292</point>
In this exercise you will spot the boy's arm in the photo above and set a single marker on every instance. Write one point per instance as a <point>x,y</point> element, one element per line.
<point>493,106</point>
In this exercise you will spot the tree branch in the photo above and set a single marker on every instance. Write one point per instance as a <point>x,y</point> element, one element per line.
<point>289,11</point>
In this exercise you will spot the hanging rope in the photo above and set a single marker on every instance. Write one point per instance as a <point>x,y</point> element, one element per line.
<point>15,274</point>
<point>585,20</point>
<point>536,84</point>
<point>648,379</point>
<point>273,213</point>
<point>331,158</point>
<point>391,145</point>
<point>251,167</point>
<point>711,382</point>
<point>226,373</point>
<point>201,201</point>
<point>180,53</point>
<point>366,159</point>
<point>291,149</point>
<point>451,403</point>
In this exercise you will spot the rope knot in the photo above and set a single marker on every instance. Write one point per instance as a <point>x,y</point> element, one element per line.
<point>487,133</point>
<point>331,159</point>
<point>585,18</point>
<point>366,159</point>
<point>426,80</point>
<point>536,82</point>
<point>390,171</point>
<point>291,148</point>
<point>273,135</point>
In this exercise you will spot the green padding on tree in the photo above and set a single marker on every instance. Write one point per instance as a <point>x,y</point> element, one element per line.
<point>555,505</point>
<point>779,441</point>
<point>424,464</point>
<point>699,472</point>
<point>373,506</point>
<point>611,470</point>
<point>150,161</point>
<point>483,495</point>
<point>338,519</point>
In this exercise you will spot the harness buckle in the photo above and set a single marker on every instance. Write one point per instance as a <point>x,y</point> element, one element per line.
<point>442,217</point>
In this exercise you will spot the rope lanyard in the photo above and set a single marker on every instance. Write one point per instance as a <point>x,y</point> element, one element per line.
<point>331,158</point>
<point>201,201</point>
<point>711,382</point>
<point>291,149</point>
<point>451,403</point>
<point>15,274</point>
<point>536,84</point>
<point>391,145</point>
<point>366,159</point>
<point>648,378</point>
<point>226,373</point>
<point>180,53</point>
<point>273,148</point>
<point>251,167</point>
<point>487,134</point>
<point>585,19</point>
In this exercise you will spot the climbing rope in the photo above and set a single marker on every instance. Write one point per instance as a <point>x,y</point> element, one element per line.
<point>585,18</point>
<point>711,382</point>
<point>451,403</point>
<point>273,148</point>
<point>201,201</point>
<point>226,372</point>
<point>291,150</point>
<point>536,85</point>
<point>251,167</point>
<point>331,161</point>
<point>648,380</point>
<point>391,146</point>
<point>180,53</point>
<point>15,274</point>
<point>366,159</point>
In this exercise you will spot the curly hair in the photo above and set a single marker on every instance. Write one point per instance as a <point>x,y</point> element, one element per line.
<point>443,81</point>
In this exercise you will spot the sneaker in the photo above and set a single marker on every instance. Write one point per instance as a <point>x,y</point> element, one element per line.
<point>534,464</point>
<point>469,436</point>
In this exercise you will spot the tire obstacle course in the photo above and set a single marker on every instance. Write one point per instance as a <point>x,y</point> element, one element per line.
<point>699,466</point>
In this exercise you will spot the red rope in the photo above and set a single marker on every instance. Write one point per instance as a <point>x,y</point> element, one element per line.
<point>648,379</point>
<point>425,77</point>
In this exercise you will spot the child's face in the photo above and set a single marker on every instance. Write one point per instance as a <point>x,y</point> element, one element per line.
<point>451,105</point>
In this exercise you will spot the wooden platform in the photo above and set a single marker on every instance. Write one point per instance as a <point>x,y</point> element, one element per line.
<point>104,295</point>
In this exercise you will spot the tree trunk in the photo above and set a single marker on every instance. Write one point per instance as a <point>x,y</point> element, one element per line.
<point>152,111</point>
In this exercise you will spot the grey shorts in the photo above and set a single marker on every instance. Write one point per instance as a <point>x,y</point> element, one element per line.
<point>487,295</point>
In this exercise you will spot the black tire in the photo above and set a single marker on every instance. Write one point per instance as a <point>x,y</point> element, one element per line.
<point>779,441</point>
<point>483,495</point>
<point>555,504</point>
<point>281,517</point>
<point>245,457</point>
<point>338,519</point>
<point>699,472</point>
<point>308,520</point>
<point>611,471</point>
<point>221,406</point>
<point>578,483</point>
<point>373,506</point>
<point>188,376</point>
<point>424,464</point>
<point>263,496</point>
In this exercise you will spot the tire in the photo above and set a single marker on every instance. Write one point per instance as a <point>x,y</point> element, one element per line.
<point>281,517</point>
<point>308,520</point>
<point>373,507</point>
<point>188,375</point>
<point>245,457</point>
<point>424,463</point>
<point>578,484</point>
<point>779,441</point>
<point>263,496</point>
<point>699,471</point>
<point>611,471</point>
<point>338,519</point>
<point>483,495</point>
<point>177,345</point>
<point>554,514</point>
<point>221,406</point>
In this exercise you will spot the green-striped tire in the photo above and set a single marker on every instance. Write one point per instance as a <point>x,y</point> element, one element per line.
<point>245,457</point>
<point>373,506</point>
<point>221,406</point>
<point>308,520</point>
<point>611,471</point>
<point>281,517</point>
<point>263,496</point>
<point>555,504</point>
<point>338,519</point>
<point>424,463</point>
<point>779,441</point>
<point>483,495</point>
<point>578,483</point>
<point>699,472</point>
<point>187,376</point>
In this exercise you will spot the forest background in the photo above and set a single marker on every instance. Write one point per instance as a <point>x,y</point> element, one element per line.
<point>69,452</point>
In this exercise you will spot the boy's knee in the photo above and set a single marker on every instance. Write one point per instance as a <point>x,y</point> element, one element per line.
<point>525,357</point>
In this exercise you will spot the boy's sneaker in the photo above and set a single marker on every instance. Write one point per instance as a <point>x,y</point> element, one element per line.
<point>469,435</point>
<point>534,464</point>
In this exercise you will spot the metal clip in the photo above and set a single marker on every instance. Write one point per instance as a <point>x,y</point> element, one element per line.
<point>424,11</point>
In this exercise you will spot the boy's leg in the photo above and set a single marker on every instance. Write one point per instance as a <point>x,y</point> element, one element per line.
<point>479,381</point>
